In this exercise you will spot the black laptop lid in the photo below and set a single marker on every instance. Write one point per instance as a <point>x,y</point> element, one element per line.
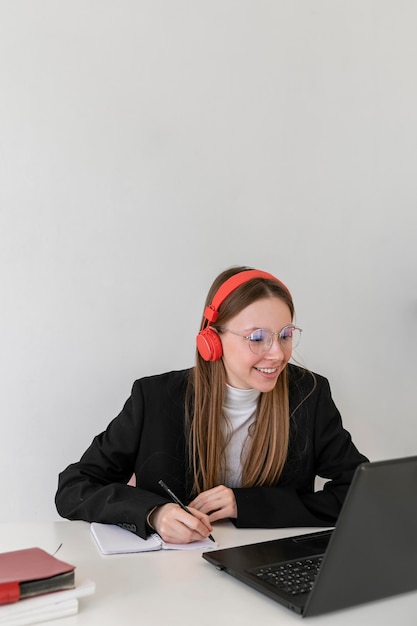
<point>373,550</point>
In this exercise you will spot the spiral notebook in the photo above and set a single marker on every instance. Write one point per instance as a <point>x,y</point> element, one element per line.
<point>112,539</point>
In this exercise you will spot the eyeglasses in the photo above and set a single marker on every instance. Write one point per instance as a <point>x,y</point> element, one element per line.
<point>260,341</point>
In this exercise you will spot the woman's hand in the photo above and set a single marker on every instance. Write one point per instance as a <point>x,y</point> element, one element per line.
<point>174,525</point>
<point>217,503</point>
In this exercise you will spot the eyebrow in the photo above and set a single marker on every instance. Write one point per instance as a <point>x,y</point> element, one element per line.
<point>253,328</point>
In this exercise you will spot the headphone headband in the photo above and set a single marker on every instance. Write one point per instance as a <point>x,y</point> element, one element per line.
<point>211,312</point>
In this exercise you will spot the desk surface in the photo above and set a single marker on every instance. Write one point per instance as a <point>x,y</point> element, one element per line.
<point>180,587</point>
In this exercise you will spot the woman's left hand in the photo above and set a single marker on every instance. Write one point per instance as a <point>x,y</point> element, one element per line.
<point>218,503</point>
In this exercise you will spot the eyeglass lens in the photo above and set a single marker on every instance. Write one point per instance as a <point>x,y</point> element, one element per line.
<point>261,339</point>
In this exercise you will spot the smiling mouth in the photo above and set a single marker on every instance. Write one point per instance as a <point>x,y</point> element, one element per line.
<point>267,370</point>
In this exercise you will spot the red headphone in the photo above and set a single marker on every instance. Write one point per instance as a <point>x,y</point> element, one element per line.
<point>209,344</point>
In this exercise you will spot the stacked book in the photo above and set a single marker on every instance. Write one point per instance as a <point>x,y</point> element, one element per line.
<point>36,587</point>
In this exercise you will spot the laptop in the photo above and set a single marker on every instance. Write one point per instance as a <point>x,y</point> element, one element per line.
<point>370,554</point>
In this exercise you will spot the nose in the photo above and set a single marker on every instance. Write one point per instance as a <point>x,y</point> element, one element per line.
<point>276,349</point>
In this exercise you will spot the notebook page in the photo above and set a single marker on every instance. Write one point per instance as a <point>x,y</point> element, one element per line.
<point>204,544</point>
<point>111,539</point>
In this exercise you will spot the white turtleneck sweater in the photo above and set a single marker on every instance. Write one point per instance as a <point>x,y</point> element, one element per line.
<point>240,409</point>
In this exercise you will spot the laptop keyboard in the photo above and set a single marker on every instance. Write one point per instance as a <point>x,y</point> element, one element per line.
<point>293,577</point>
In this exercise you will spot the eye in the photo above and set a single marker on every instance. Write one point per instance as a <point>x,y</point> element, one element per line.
<point>259,335</point>
<point>286,333</point>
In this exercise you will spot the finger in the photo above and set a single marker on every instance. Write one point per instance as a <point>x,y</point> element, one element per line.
<point>211,500</point>
<point>177,526</point>
<point>217,503</point>
<point>204,497</point>
<point>204,525</point>
<point>192,525</point>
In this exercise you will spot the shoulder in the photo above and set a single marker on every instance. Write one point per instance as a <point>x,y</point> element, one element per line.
<point>301,375</point>
<point>173,382</point>
<point>305,382</point>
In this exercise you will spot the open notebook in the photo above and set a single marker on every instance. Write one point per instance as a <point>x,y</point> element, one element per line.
<point>112,539</point>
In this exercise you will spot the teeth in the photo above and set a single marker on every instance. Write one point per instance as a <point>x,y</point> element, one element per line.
<point>269,370</point>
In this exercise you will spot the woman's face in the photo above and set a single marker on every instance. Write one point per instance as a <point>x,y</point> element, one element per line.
<point>244,369</point>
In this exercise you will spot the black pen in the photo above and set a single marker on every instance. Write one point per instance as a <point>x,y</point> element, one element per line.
<point>178,501</point>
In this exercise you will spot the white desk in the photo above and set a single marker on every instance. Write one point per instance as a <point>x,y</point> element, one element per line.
<point>180,587</point>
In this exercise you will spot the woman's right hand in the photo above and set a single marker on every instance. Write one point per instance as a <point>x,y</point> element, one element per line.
<point>174,525</point>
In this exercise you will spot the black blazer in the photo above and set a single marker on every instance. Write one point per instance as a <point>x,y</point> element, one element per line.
<point>148,438</point>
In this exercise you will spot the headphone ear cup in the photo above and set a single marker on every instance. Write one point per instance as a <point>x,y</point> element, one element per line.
<point>209,345</point>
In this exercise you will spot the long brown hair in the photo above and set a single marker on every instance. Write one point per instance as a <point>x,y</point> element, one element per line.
<point>268,445</point>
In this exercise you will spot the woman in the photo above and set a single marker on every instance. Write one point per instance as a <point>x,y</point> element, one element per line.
<point>242,435</point>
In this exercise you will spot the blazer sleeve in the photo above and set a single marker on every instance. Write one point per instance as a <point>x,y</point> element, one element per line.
<point>320,446</point>
<point>96,489</point>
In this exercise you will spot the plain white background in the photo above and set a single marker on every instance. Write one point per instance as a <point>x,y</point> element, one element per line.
<point>145,145</point>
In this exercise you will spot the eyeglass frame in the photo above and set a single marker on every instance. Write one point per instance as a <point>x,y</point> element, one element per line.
<point>251,342</point>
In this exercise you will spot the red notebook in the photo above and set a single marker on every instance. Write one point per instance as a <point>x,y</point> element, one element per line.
<point>31,572</point>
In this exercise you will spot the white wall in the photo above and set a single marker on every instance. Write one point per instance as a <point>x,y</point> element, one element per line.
<point>147,145</point>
